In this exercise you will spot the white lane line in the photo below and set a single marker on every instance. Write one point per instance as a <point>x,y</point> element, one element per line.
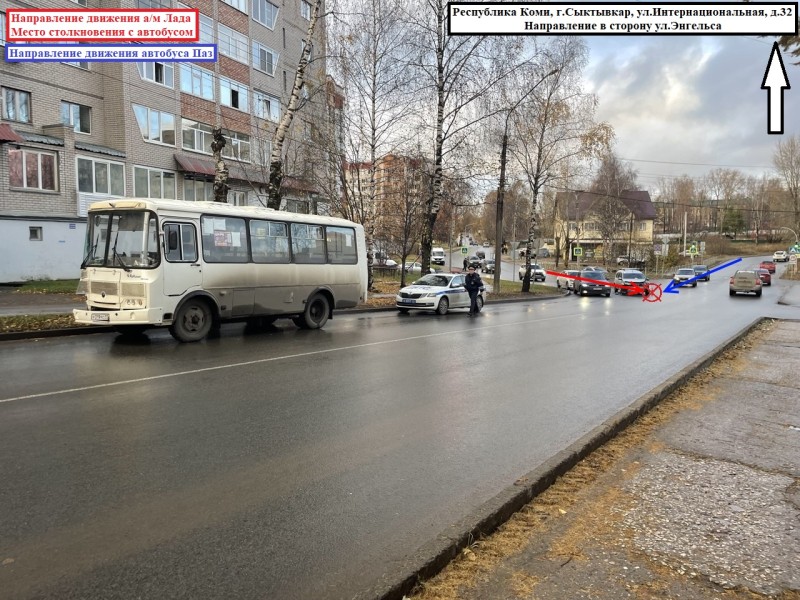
<point>272,359</point>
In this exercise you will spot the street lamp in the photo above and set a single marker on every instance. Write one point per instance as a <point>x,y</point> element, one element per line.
<point>501,188</point>
<point>794,232</point>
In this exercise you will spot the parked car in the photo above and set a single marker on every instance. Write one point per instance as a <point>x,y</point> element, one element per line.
<point>537,273</point>
<point>416,267</point>
<point>438,292</point>
<point>488,265</point>
<point>745,282</point>
<point>768,265</point>
<point>592,288</point>
<point>685,274</point>
<point>486,245</point>
<point>623,260</point>
<point>567,282</point>
<point>591,268</point>
<point>701,272</point>
<point>780,256</point>
<point>629,277</point>
<point>766,276</point>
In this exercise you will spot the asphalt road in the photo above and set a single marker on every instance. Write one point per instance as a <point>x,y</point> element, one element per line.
<point>309,464</point>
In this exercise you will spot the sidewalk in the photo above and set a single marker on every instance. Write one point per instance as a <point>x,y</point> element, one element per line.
<point>14,304</point>
<point>699,499</point>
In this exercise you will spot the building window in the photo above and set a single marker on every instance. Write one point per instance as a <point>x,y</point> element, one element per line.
<point>196,136</point>
<point>80,2</point>
<point>161,73</point>
<point>155,126</point>
<point>264,59</point>
<point>32,169</point>
<point>101,177</point>
<point>305,10</point>
<point>266,106</point>
<point>265,12</point>
<point>642,225</point>
<point>197,81</point>
<point>196,190</point>
<point>153,183</point>
<point>77,115</point>
<point>153,3</point>
<point>232,94</point>
<point>2,29</point>
<point>262,151</point>
<point>232,43</point>
<point>237,4</point>
<point>237,198</point>
<point>238,146</point>
<point>206,30</point>
<point>35,234</point>
<point>16,105</point>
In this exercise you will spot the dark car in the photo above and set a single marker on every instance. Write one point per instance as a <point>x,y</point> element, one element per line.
<point>488,265</point>
<point>474,261</point>
<point>766,277</point>
<point>701,272</point>
<point>768,265</point>
<point>591,288</point>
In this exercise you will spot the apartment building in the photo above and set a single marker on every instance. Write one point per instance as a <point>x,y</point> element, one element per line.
<point>75,133</point>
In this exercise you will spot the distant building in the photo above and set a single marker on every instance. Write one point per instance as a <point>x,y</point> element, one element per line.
<point>74,133</point>
<point>602,226</point>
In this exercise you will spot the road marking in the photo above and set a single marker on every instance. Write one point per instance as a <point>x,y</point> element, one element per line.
<point>259,361</point>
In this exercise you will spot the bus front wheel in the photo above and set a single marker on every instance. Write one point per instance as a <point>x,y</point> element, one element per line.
<point>316,313</point>
<point>193,321</point>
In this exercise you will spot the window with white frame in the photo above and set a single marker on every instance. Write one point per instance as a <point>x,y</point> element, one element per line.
<point>261,152</point>
<point>100,176</point>
<point>267,106</point>
<point>206,26</point>
<point>237,197</point>
<point>77,115</point>
<point>16,105</point>
<point>305,10</point>
<point>233,94</point>
<point>155,126</point>
<point>160,73</point>
<point>232,43</point>
<point>197,81</point>
<point>153,3</point>
<point>198,190</point>
<point>265,12</point>
<point>2,29</point>
<point>196,136</point>
<point>153,183</point>
<point>238,146</point>
<point>237,4</point>
<point>642,225</point>
<point>32,169</point>
<point>264,58</point>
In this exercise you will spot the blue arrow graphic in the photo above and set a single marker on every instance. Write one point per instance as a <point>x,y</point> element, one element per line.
<point>669,289</point>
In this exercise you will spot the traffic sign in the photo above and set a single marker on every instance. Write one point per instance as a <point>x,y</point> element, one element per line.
<point>464,250</point>
<point>577,251</point>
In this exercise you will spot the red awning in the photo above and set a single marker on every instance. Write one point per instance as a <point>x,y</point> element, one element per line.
<point>189,164</point>
<point>9,135</point>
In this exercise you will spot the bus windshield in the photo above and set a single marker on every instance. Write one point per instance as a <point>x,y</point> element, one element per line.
<point>122,239</point>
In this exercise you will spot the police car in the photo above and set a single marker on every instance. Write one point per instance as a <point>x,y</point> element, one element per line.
<point>438,292</point>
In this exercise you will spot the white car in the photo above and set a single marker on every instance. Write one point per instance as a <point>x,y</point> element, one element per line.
<point>567,282</point>
<point>537,273</point>
<point>438,292</point>
<point>780,256</point>
<point>416,267</point>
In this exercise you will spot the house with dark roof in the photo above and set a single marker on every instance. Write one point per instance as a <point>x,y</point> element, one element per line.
<point>603,226</point>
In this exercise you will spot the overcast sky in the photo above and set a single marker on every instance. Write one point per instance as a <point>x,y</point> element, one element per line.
<point>686,104</point>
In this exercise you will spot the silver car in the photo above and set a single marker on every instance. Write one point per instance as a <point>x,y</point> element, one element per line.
<point>566,279</point>
<point>627,277</point>
<point>685,274</point>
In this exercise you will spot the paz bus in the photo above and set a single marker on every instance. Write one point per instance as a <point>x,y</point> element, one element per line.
<point>191,265</point>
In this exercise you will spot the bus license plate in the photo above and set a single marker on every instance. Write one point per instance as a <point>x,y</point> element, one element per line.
<point>99,317</point>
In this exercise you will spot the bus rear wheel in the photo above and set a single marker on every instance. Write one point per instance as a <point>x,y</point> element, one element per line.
<point>193,321</point>
<point>316,313</point>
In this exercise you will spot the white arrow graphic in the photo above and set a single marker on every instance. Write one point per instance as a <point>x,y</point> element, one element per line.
<point>775,81</point>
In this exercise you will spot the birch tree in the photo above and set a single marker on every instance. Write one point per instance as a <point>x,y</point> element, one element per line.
<point>555,126</point>
<point>787,162</point>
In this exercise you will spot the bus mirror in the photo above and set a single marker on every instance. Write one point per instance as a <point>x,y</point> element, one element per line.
<point>172,240</point>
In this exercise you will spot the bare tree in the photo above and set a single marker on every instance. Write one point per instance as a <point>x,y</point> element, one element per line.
<point>555,126</point>
<point>371,59</point>
<point>724,186</point>
<point>787,162</point>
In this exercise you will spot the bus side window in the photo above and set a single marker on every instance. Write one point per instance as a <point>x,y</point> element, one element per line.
<point>180,242</point>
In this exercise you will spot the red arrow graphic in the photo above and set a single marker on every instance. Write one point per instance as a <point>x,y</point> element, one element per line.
<point>631,288</point>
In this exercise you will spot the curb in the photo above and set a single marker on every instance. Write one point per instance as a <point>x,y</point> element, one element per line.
<point>435,555</point>
<point>87,329</point>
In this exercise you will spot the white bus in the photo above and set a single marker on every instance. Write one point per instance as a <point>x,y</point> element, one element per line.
<point>192,265</point>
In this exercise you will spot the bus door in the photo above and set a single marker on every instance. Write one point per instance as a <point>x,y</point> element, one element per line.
<point>182,268</point>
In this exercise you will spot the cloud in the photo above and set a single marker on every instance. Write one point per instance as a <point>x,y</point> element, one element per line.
<point>691,100</point>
